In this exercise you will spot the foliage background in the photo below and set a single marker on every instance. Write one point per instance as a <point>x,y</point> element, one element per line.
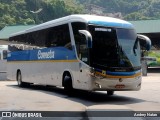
<point>155,54</point>
<point>26,12</point>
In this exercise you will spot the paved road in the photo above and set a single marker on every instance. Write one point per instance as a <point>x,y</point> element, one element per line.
<point>41,98</point>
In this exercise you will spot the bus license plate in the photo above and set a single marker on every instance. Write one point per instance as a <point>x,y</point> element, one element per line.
<point>120,86</point>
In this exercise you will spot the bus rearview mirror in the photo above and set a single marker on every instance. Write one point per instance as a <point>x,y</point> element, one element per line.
<point>145,42</point>
<point>88,37</point>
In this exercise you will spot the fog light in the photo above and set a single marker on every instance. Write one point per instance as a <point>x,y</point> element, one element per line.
<point>120,79</point>
<point>98,85</point>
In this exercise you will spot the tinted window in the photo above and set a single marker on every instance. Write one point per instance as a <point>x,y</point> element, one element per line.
<point>76,26</point>
<point>59,36</point>
<point>80,41</point>
<point>50,37</point>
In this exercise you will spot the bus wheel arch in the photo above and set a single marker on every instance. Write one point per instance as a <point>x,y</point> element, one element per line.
<point>67,82</point>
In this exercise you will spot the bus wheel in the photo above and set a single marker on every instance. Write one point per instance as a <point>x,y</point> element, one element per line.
<point>109,93</point>
<point>67,83</point>
<point>19,79</point>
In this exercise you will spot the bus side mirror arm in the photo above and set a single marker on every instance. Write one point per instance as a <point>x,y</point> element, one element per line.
<point>88,37</point>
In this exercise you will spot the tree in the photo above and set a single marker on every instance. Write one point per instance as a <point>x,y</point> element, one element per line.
<point>27,12</point>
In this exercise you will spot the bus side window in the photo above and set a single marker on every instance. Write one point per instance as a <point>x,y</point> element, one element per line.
<point>83,50</point>
<point>59,36</point>
<point>80,40</point>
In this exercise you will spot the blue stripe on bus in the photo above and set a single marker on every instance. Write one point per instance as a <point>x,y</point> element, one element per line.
<point>118,73</point>
<point>122,73</point>
<point>56,53</point>
<point>111,24</point>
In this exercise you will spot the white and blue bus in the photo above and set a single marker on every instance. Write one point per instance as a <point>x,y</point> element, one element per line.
<point>86,52</point>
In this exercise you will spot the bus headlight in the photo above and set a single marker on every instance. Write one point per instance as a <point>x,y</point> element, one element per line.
<point>98,85</point>
<point>92,70</point>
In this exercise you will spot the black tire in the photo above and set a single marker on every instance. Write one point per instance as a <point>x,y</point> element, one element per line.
<point>67,84</point>
<point>109,93</point>
<point>19,80</point>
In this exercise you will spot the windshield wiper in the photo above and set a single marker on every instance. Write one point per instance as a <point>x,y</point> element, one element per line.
<point>135,46</point>
<point>100,65</point>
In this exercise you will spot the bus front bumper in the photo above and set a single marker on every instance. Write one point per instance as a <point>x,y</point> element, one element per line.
<point>115,84</point>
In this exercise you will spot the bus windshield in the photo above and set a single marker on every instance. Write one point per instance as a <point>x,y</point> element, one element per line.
<point>114,48</point>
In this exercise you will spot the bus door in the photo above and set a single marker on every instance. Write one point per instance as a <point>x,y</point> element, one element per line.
<point>83,55</point>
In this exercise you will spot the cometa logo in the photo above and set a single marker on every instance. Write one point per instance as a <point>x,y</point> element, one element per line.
<point>45,55</point>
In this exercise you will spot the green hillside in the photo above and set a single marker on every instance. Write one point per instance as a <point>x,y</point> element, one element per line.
<point>13,12</point>
<point>130,9</point>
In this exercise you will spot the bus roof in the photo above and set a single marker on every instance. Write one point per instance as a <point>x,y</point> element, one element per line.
<point>90,19</point>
